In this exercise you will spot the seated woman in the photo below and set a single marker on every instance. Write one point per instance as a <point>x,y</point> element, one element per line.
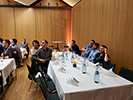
<point>35,46</point>
<point>102,56</point>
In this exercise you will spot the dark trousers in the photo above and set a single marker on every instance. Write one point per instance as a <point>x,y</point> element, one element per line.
<point>44,66</point>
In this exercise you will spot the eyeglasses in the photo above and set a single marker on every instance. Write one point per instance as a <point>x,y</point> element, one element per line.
<point>42,42</point>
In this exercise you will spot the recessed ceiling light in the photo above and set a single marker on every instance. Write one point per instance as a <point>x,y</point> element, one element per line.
<point>25,2</point>
<point>71,2</point>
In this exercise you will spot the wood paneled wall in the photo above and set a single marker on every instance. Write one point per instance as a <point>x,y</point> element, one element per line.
<point>109,22</point>
<point>53,24</point>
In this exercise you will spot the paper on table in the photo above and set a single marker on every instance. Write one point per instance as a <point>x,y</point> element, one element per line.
<point>62,69</point>
<point>111,73</point>
<point>73,81</point>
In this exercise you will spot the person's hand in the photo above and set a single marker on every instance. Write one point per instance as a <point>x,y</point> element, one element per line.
<point>86,51</point>
<point>105,50</point>
<point>83,49</point>
<point>2,55</point>
<point>33,47</point>
<point>42,60</point>
<point>70,46</point>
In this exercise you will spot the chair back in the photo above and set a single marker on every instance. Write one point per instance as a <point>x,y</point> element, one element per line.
<point>42,73</point>
<point>126,73</point>
<point>42,86</point>
<point>16,57</point>
<point>30,71</point>
<point>35,67</point>
<point>109,65</point>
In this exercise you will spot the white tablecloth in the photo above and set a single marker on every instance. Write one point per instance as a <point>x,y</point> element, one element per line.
<point>7,66</point>
<point>109,88</point>
<point>23,51</point>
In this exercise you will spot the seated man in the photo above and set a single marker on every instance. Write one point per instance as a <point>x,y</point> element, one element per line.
<point>25,45</point>
<point>102,56</point>
<point>35,46</point>
<point>8,50</point>
<point>87,49</point>
<point>1,48</point>
<point>94,52</point>
<point>43,55</point>
<point>15,46</point>
<point>74,47</point>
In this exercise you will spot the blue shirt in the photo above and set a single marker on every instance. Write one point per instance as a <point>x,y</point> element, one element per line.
<point>89,49</point>
<point>1,48</point>
<point>24,45</point>
<point>92,55</point>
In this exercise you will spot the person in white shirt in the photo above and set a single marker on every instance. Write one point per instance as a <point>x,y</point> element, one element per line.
<point>35,47</point>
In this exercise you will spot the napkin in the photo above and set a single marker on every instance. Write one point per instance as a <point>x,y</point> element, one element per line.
<point>37,75</point>
<point>56,62</point>
<point>111,73</point>
<point>72,81</point>
<point>62,69</point>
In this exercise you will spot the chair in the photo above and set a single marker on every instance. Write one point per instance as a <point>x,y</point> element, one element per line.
<point>55,48</point>
<point>34,66</point>
<point>49,83</point>
<point>31,76</point>
<point>51,46</point>
<point>66,46</point>
<point>53,96</point>
<point>16,57</point>
<point>126,73</point>
<point>27,55</point>
<point>46,76</point>
<point>109,65</point>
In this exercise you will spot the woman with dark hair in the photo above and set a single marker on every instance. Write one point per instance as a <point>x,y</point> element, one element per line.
<point>35,47</point>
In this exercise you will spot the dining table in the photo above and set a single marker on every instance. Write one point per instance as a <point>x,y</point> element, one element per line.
<point>72,84</point>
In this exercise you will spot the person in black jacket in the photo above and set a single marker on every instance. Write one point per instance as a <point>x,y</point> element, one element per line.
<point>102,56</point>
<point>74,47</point>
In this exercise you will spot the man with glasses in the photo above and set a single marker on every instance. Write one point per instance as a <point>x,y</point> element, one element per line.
<point>102,56</point>
<point>43,55</point>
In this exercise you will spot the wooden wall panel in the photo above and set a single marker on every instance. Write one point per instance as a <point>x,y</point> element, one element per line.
<point>60,27</point>
<point>1,25</point>
<point>109,22</point>
<point>43,24</point>
<point>52,24</point>
<point>7,23</point>
<point>25,24</point>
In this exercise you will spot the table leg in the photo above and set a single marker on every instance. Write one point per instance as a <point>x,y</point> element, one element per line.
<point>58,47</point>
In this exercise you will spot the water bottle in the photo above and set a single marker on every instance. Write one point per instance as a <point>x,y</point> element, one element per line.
<point>63,50</point>
<point>84,68</point>
<point>96,75</point>
<point>72,58</point>
<point>66,55</point>
<point>63,56</point>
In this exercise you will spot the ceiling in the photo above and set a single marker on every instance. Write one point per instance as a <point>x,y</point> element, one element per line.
<point>30,2</point>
